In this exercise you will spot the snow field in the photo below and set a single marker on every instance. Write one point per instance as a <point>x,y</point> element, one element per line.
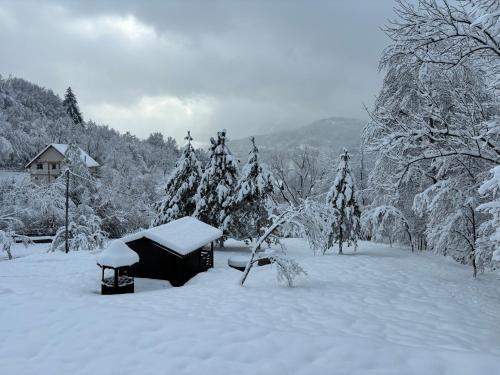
<point>381,311</point>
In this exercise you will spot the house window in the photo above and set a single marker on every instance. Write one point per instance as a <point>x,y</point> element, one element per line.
<point>39,166</point>
<point>54,166</point>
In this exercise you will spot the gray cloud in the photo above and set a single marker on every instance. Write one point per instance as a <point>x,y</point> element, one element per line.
<point>169,66</point>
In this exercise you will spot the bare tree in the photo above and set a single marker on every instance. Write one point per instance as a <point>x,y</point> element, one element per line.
<point>300,172</point>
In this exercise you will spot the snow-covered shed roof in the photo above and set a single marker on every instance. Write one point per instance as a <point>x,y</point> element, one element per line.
<point>183,235</point>
<point>61,148</point>
<point>117,254</point>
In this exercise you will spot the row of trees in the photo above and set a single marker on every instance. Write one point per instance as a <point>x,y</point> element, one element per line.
<point>243,204</point>
<point>435,130</point>
<point>217,193</point>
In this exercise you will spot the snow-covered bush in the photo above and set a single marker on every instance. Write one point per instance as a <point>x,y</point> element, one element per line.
<point>34,208</point>
<point>287,269</point>
<point>8,238</point>
<point>84,232</point>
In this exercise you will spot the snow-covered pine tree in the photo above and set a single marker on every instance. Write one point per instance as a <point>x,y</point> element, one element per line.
<point>179,192</point>
<point>250,206</point>
<point>341,197</point>
<point>217,183</point>
<point>71,105</point>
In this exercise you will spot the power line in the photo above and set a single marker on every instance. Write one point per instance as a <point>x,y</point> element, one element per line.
<point>103,188</point>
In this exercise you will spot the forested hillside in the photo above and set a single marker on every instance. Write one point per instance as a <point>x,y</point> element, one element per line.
<point>332,134</point>
<point>32,117</point>
<point>131,169</point>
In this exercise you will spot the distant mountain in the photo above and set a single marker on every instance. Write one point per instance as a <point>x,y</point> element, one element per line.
<point>332,134</point>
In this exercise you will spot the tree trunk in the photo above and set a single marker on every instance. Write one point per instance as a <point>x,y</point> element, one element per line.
<point>340,242</point>
<point>280,220</point>
<point>66,245</point>
<point>411,238</point>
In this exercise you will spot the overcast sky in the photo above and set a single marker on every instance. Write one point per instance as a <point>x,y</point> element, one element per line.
<point>169,66</point>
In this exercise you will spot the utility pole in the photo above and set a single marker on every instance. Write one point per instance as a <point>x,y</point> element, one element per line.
<point>67,210</point>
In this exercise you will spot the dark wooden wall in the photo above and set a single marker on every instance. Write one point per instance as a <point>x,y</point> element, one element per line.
<point>157,262</point>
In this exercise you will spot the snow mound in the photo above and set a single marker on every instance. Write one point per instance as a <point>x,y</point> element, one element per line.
<point>117,255</point>
<point>183,235</point>
<point>238,261</point>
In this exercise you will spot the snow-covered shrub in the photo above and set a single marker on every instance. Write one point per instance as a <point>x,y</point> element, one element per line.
<point>287,269</point>
<point>9,238</point>
<point>6,149</point>
<point>84,232</point>
<point>35,208</point>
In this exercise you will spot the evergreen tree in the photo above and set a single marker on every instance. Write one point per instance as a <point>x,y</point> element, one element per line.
<point>71,105</point>
<point>251,204</point>
<point>217,183</point>
<point>180,189</point>
<point>341,197</point>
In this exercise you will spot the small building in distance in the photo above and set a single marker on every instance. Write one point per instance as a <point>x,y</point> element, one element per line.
<point>48,164</point>
<point>175,251</point>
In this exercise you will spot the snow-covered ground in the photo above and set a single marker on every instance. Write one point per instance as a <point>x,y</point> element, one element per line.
<point>381,311</point>
<point>19,251</point>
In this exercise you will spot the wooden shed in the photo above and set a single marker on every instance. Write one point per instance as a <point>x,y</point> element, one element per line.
<point>176,251</point>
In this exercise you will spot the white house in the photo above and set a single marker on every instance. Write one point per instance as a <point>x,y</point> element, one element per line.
<point>48,164</point>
